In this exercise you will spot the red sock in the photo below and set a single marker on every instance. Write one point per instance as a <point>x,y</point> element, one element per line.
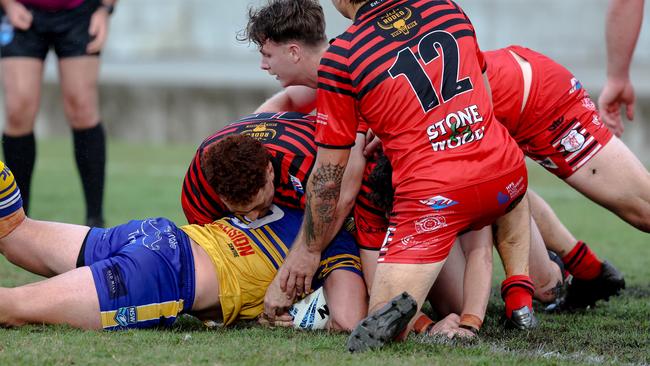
<point>517,292</point>
<point>582,263</point>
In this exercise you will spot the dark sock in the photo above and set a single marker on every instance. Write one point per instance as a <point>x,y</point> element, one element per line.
<point>20,155</point>
<point>90,153</point>
<point>517,292</point>
<point>582,263</point>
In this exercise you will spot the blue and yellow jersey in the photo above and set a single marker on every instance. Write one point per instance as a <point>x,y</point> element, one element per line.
<point>11,202</point>
<point>247,256</point>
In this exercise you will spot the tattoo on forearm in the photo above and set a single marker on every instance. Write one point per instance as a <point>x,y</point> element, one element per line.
<point>320,209</point>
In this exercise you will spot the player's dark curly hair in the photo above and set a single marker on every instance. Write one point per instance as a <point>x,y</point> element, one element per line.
<point>285,20</point>
<point>380,181</point>
<point>235,167</point>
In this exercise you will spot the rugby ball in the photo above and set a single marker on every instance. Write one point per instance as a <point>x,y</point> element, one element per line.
<point>311,312</point>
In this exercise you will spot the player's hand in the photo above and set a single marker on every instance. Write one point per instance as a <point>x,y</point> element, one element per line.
<point>616,94</point>
<point>98,30</point>
<point>283,320</point>
<point>298,270</point>
<point>276,301</point>
<point>18,15</point>
<point>373,144</point>
<point>450,327</point>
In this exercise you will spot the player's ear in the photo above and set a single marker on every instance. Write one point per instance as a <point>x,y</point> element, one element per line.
<point>295,52</point>
<point>270,172</point>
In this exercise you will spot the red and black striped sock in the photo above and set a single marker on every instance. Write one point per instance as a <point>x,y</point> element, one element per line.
<point>582,263</point>
<point>517,292</point>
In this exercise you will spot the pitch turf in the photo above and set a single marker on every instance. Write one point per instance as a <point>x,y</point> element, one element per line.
<point>144,180</point>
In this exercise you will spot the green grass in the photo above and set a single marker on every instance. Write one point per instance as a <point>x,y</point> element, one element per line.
<point>144,180</point>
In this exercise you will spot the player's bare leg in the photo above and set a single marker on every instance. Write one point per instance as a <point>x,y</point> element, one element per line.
<point>446,294</point>
<point>346,299</point>
<point>78,77</point>
<point>615,179</point>
<point>512,232</point>
<point>369,264</point>
<point>42,247</point>
<point>398,292</point>
<point>69,298</point>
<point>546,274</point>
<point>21,82</point>
<point>593,279</point>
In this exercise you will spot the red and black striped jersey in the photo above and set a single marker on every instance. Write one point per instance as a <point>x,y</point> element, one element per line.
<point>412,70</point>
<point>289,138</point>
<point>371,221</point>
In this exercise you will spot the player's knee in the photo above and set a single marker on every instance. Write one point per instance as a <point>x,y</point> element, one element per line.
<point>638,215</point>
<point>344,321</point>
<point>19,111</point>
<point>80,110</point>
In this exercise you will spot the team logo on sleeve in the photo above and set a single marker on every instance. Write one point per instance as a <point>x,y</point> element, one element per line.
<point>398,22</point>
<point>573,141</point>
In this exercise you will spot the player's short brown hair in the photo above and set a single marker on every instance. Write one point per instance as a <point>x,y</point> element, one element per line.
<point>235,168</point>
<point>282,21</point>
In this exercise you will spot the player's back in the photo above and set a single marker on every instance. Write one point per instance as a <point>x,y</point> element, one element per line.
<point>289,138</point>
<point>413,71</point>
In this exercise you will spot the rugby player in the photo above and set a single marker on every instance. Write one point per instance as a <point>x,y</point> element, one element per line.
<point>356,78</point>
<point>146,272</point>
<point>541,103</point>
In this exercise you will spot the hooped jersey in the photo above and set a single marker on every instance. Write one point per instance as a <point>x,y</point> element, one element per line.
<point>413,71</point>
<point>248,254</point>
<point>289,138</point>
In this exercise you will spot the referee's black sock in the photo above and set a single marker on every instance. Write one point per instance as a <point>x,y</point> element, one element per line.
<point>90,154</point>
<point>20,155</point>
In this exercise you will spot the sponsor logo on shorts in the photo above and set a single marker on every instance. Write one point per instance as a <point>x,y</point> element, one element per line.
<point>573,141</point>
<point>439,202</point>
<point>297,185</point>
<point>575,85</point>
<point>503,198</point>
<point>515,189</point>
<point>398,22</point>
<point>596,121</point>
<point>557,123</point>
<point>429,224</point>
<point>456,130</point>
<point>588,103</point>
<point>547,163</point>
<point>262,131</point>
<point>126,315</point>
<point>114,282</point>
<point>6,31</point>
<point>410,242</point>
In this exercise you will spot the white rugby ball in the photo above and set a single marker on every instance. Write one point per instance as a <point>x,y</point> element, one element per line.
<point>311,312</point>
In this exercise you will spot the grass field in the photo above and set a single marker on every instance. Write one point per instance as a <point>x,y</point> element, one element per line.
<point>144,180</point>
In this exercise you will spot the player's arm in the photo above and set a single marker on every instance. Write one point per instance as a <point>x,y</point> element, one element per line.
<point>622,27</point>
<point>296,98</point>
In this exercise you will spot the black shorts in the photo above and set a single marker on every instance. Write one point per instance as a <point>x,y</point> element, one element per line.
<point>64,30</point>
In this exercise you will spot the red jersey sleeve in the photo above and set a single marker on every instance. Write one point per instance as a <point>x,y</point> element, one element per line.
<point>335,101</point>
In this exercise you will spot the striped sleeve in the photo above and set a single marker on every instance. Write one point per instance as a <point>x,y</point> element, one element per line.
<point>336,100</point>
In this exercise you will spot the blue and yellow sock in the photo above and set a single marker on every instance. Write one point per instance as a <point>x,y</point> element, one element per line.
<point>11,203</point>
